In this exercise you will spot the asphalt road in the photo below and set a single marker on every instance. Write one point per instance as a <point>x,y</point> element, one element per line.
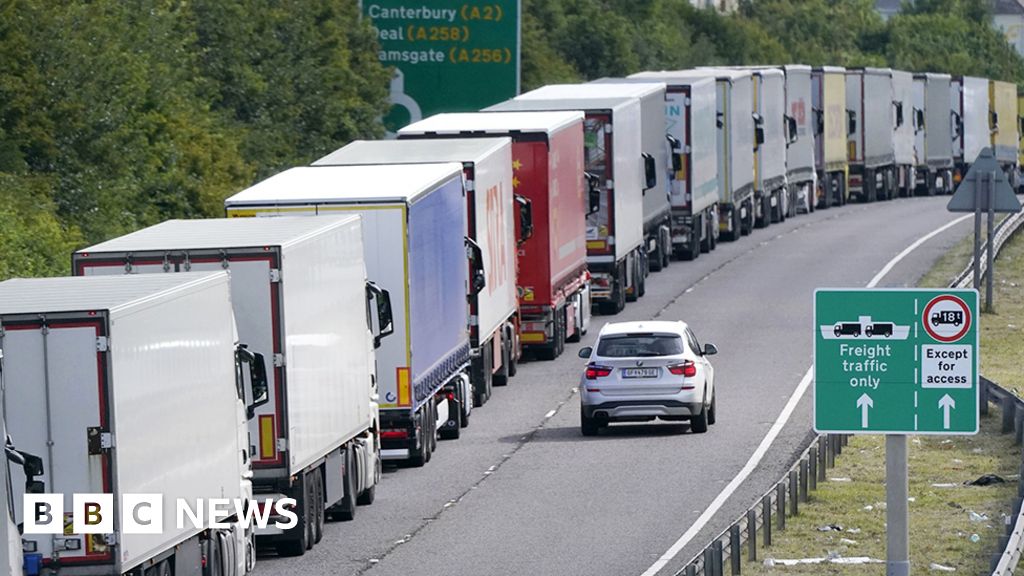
<point>522,492</point>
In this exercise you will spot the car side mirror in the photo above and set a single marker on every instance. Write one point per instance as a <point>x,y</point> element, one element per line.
<point>585,352</point>
<point>650,172</point>
<point>710,349</point>
<point>525,207</point>
<point>593,193</point>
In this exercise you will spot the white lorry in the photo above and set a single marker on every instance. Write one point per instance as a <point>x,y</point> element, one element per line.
<point>872,127</point>
<point>414,247</point>
<point>132,386</point>
<point>800,135</point>
<point>300,297</point>
<point>933,134</point>
<point>493,211</point>
<point>690,124</point>
<point>613,145</point>
<point>14,559</point>
<point>903,132</point>
<point>770,149</point>
<point>971,129</point>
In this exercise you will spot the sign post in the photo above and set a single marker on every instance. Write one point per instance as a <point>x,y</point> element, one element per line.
<point>448,55</point>
<point>896,362</point>
<point>985,188</point>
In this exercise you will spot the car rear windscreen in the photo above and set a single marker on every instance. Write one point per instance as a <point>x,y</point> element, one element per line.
<point>630,345</point>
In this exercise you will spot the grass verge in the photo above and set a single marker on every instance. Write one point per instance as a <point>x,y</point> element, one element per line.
<point>946,513</point>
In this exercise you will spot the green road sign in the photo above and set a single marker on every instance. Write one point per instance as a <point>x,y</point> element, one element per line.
<point>896,361</point>
<point>448,55</point>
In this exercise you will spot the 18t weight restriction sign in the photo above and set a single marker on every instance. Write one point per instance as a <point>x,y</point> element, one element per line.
<point>946,318</point>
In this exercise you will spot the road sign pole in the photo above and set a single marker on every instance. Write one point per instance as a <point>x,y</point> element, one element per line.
<point>977,235</point>
<point>990,253</point>
<point>896,510</point>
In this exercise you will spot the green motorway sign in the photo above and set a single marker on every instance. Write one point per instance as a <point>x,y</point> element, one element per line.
<point>896,361</point>
<point>447,55</point>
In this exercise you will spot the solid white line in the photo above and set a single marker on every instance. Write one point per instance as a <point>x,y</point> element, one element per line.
<point>550,414</point>
<point>776,428</point>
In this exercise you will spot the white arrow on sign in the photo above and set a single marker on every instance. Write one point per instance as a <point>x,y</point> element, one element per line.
<point>864,402</point>
<point>945,403</point>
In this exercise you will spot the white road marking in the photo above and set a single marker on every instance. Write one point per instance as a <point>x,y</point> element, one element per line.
<point>550,414</point>
<point>777,427</point>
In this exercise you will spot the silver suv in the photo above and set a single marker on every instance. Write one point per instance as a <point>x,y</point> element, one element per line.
<point>639,371</point>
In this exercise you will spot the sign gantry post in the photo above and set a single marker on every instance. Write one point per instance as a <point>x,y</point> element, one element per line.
<point>896,362</point>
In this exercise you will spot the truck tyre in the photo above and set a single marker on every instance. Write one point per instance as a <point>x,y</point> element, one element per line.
<point>699,423</point>
<point>513,362</point>
<point>712,233</point>
<point>577,333</point>
<point>421,456</point>
<point>588,426</point>
<point>633,295</point>
<point>641,285</point>
<point>347,507</point>
<point>693,243</point>
<point>366,497</point>
<point>665,235</point>
<point>452,432</point>
<point>748,226</point>
<point>655,257</point>
<point>318,509</point>
<point>432,423</point>
<point>297,546</point>
<point>500,378</point>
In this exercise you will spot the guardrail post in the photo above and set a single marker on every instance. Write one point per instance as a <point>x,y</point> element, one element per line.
<point>735,549</point>
<point>822,463</point>
<point>780,502</point>
<point>812,461</point>
<point>709,562</point>
<point>830,447</point>
<point>793,497</point>
<point>983,396</point>
<point>1009,412</point>
<point>803,479</point>
<point>844,439</point>
<point>1018,427</point>
<point>766,519</point>
<point>719,558</point>
<point>751,535</point>
<point>691,570</point>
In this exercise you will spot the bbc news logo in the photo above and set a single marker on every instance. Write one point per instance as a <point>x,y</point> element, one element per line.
<point>144,513</point>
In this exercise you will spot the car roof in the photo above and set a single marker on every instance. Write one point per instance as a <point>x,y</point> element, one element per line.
<point>614,328</point>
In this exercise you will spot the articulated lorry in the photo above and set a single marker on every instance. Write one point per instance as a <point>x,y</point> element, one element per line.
<point>771,138</point>
<point>869,100</point>
<point>125,387</point>
<point>903,133</point>
<point>413,230</point>
<point>833,122</point>
<point>971,130</point>
<point>800,133</point>
<point>316,439</point>
<point>613,143</point>
<point>933,134</point>
<point>690,123</point>
<point>547,167</point>
<point>492,213</point>
<point>1003,126</point>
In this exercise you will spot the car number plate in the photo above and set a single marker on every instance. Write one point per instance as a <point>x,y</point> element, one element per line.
<point>640,373</point>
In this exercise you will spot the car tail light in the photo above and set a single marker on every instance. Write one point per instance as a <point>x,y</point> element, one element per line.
<point>687,369</point>
<point>594,371</point>
<point>394,434</point>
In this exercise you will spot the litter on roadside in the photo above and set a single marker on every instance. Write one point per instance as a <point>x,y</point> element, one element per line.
<point>772,562</point>
<point>841,479</point>
<point>847,542</point>
<point>941,568</point>
<point>986,480</point>
<point>830,528</point>
<point>853,530</point>
<point>944,485</point>
<point>975,517</point>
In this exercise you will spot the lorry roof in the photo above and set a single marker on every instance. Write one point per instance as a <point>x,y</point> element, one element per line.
<point>221,233</point>
<point>584,103</point>
<point>414,151</point>
<point>869,70</point>
<point>759,70</point>
<point>696,73</point>
<point>493,123</point>
<point>372,184</point>
<point>602,88</point>
<point>830,69</point>
<point>931,75</point>
<point>670,78</point>
<point>89,293</point>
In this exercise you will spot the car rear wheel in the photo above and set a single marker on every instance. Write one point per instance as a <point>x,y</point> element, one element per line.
<point>699,423</point>
<point>588,426</point>
<point>712,411</point>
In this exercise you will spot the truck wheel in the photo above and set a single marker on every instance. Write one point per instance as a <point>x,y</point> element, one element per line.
<point>513,363</point>
<point>655,257</point>
<point>577,334</point>
<point>641,286</point>
<point>666,246</point>
<point>432,423</point>
<point>500,378</point>
<point>367,496</point>
<point>712,237</point>
<point>452,432</point>
<point>766,212</point>
<point>319,510</point>
<point>297,546</point>
<point>347,506</point>
<point>751,216</point>
<point>422,455</point>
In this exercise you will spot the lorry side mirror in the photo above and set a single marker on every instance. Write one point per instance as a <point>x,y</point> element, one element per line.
<point>475,256</point>
<point>758,130</point>
<point>1020,125</point>
<point>899,113</point>
<point>851,122</point>
<point>993,122</point>
<point>819,121</point>
<point>919,119</point>
<point>385,320</point>
<point>593,193</point>
<point>525,218</point>
<point>33,465</point>
<point>675,152</point>
<point>258,383</point>
<point>650,172</point>
<point>35,487</point>
<point>791,129</point>
<point>720,120</point>
<point>958,124</point>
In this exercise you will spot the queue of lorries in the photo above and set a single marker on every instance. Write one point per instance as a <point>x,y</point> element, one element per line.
<point>276,361</point>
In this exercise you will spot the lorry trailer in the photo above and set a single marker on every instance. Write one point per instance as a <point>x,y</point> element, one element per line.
<point>800,136</point>
<point>770,144</point>
<point>869,99</point>
<point>833,122</point>
<point>613,144</point>
<point>128,386</point>
<point>903,132</point>
<point>547,166</point>
<point>969,98</point>
<point>690,122</point>
<point>316,439</point>
<point>1003,125</point>
<point>492,212</point>
<point>413,245</point>
<point>933,136</point>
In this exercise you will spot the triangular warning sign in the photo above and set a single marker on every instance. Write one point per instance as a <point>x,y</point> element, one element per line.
<point>964,198</point>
